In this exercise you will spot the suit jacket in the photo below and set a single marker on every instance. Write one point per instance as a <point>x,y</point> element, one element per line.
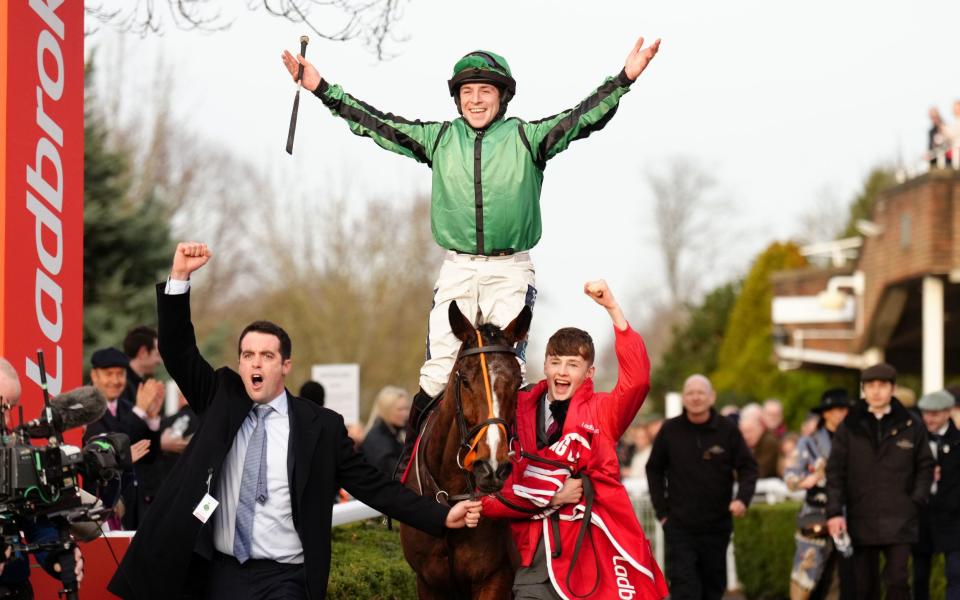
<point>168,557</point>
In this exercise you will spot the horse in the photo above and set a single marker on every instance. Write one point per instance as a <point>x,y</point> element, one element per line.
<point>465,448</point>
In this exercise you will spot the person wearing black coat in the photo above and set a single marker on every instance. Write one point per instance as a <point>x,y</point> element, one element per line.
<point>878,477</point>
<point>177,554</point>
<point>108,375</point>
<point>940,521</point>
<point>383,440</point>
<point>693,464</point>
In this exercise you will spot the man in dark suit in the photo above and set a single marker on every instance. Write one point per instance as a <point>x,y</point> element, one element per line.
<point>139,420</point>
<point>140,346</point>
<point>246,512</point>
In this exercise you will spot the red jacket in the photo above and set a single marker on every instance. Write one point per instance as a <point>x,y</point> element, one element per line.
<point>615,551</point>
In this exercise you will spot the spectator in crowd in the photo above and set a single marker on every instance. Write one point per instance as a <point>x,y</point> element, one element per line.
<point>936,135</point>
<point>654,425</point>
<point>772,417</point>
<point>788,447</point>
<point>140,346</point>
<point>383,435</point>
<point>177,430</point>
<point>907,398</point>
<point>356,434</point>
<point>815,562</point>
<point>878,475</point>
<point>954,389</point>
<point>15,566</point>
<point>313,391</point>
<point>940,521</point>
<point>810,424</point>
<point>642,445</point>
<point>140,421</point>
<point>732,412</point>
<point>625,450</point>
<point>952,131</point>
<point>761,442</point>
<point>694,462</point>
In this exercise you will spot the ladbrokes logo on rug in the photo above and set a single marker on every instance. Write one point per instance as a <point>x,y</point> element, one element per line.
<point>569,446</point>
<point>625,589</point>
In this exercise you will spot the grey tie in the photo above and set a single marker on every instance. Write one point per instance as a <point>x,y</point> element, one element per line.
<point>253,484</point>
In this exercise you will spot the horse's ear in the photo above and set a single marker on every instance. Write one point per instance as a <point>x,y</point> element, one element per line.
<point>518,328</point>
<point>459,325</point>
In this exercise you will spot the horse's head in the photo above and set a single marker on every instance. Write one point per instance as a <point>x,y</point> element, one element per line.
<point>487,377</point>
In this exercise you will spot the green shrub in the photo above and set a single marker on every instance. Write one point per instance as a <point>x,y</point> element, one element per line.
<point>764,546</point>
<point>368,563</point>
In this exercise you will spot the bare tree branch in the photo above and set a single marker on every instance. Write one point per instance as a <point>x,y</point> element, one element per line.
<point>682,213</point>
<point>371,21</point>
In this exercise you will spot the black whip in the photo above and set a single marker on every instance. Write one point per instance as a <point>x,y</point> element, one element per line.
<point>296,99</point>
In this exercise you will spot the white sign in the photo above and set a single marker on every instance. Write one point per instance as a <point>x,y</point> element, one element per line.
<point>797,310</point>
<point>341,386</point>
<point>674,404</point>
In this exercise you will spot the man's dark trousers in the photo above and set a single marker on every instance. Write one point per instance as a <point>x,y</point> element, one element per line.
<point>696,563</point>
<point>866,561</point>
<point>255,580</point>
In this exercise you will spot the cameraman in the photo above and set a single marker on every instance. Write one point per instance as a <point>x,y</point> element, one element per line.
<point>15,567</point>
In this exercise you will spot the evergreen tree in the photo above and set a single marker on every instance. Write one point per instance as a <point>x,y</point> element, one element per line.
<point>695,343</point>
<point>126,244</point>
<point>746,367</point>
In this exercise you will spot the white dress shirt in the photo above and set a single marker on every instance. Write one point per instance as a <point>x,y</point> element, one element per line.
<point>274,536</point>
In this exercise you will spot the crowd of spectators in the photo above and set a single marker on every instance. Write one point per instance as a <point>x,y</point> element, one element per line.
<point>800,458</point>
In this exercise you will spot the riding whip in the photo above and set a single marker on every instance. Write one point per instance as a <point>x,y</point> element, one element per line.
<point>296,99</point>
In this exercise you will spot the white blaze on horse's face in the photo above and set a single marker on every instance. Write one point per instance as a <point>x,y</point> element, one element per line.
<point>493,432</point>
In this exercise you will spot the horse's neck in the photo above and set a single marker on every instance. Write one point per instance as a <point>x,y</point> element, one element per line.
<point>442,453</point>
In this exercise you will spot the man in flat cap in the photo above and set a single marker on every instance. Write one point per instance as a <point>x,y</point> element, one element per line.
<point>140,421</point>
<point>940,521</point>
<point>878,476</point>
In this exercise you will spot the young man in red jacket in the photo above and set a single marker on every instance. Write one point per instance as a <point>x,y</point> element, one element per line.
<point>570,515</point>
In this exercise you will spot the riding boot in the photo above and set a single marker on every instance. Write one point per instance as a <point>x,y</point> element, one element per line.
<point>418,411</point>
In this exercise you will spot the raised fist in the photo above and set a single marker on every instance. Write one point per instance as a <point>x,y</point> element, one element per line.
<point>600,292</point>
<point>188,257</point>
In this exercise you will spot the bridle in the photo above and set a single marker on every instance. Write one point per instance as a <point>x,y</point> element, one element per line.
<point>470,437</point>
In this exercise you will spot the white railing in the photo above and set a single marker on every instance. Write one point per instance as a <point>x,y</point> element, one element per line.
<point>931,160</point>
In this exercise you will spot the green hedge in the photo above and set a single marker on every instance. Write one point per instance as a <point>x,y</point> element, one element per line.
<point>764,546</point>
<point>368,563</point>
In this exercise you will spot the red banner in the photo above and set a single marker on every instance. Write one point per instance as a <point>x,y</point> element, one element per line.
<point>41,177</point>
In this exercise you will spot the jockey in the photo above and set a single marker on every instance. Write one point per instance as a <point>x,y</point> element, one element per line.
<point>572,520</point>
<point>487,176</point>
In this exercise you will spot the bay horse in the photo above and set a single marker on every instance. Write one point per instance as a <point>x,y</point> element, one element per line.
<point>464,449</point>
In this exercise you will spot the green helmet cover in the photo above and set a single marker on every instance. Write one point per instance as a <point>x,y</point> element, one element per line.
<point>487,67</point>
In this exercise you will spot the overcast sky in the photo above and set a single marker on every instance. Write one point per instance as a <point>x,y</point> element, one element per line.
<point>783,103</point>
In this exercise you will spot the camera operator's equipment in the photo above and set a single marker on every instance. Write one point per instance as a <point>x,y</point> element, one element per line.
<point>44,481</point>
<point>296,99</point>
